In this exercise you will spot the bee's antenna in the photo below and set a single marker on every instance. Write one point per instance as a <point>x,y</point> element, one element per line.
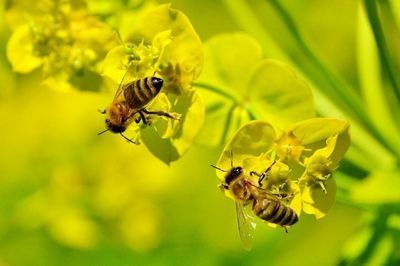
<point>222,170</point>
<point>231,158</point>
<point>128,139</point>
<point>104,131</point>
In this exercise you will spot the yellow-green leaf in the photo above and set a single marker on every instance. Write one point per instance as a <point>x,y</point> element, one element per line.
<point>381,187</point>
<point>278,94</point>
<point>229,59</point>
<point>182,134</point>
<point>191,107</point>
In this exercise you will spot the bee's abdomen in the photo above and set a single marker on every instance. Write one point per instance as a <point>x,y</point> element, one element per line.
<point>142,91</point>
<point>275,212</point>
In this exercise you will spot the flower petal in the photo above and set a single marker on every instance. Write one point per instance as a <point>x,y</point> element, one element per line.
<point>315,201</point>
<point>20,50</point>
<point>185,50</point>
<point>252,139</point>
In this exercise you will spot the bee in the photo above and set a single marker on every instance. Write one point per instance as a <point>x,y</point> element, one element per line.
<point>130,99</point>
<point>264,204</point>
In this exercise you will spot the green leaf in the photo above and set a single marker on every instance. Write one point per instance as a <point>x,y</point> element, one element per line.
<point>373,88</point>
<point>252,139</point>
<point>255,88</point>
<point>161,148</point>
<point>278,94</point>
<point>20,50</point>
<point>357,243</point>
<point>165,127</point>
<point>191,107</point>
<point>379,188</point>
<point>229,61</point>
<point>182,134</point>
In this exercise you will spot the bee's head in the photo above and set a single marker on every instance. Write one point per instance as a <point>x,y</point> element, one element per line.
<point>234,173</point>
<point>157,83</point>
<point>114,127</point>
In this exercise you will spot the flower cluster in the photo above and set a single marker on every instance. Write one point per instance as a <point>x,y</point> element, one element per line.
<point>62,38</point>
<point>163,43</point>
<point>301,158</point>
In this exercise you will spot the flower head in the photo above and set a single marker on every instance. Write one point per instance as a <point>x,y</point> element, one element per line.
<point>298,172</point>
<point>61,37</point>
<point>163,43</point>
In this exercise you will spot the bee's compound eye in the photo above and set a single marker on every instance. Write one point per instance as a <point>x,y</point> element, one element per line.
<point>157,83</point>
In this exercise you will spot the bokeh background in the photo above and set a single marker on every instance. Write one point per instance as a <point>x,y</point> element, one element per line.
<point>69,197</point>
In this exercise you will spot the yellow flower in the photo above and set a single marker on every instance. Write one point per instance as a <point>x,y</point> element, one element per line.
<point>288,146</point>
<point>62,38</point>
<point>163,43</point>
<point>309,183</point>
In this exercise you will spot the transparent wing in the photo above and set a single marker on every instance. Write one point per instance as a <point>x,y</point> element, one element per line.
<point>126,78</point>
<point>246,225</point>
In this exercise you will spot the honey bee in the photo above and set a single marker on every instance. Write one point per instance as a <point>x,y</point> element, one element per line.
<point>132,98</point>
<point>264,204</point>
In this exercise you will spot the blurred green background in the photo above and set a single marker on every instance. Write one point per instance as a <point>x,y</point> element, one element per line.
<point>69,197</point>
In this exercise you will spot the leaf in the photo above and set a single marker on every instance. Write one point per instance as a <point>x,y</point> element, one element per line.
<point>229,60</point>
<point>278,94</point>
<point>258,88</point>
<point>252,139</point>
<point>20,50</point>
<point>357,243</point>
<point>191,107</point>
<point>165,127</point>
<point>373,88</point>
<point>161,148</point>
<point>381,187</point>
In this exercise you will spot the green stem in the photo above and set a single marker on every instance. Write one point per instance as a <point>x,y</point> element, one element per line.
<point>217,90</point>
<point>339,90</point>
<point>228,123</point>
<point>376,25</point>
<point>249,109</point>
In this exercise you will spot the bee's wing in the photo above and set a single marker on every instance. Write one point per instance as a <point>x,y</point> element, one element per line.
<point>246,225</point>
<point>126,78</point>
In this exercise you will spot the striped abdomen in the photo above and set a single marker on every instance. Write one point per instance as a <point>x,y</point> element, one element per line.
<point>274,212</point>
<point>142,91</point>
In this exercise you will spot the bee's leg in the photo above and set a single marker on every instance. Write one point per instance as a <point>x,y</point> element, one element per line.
<point>265,173</point>
<point>160,113</point>
<point>102,111</point>
<point>143,118</point>
<point>286,229</point>
<point>255,173</point>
